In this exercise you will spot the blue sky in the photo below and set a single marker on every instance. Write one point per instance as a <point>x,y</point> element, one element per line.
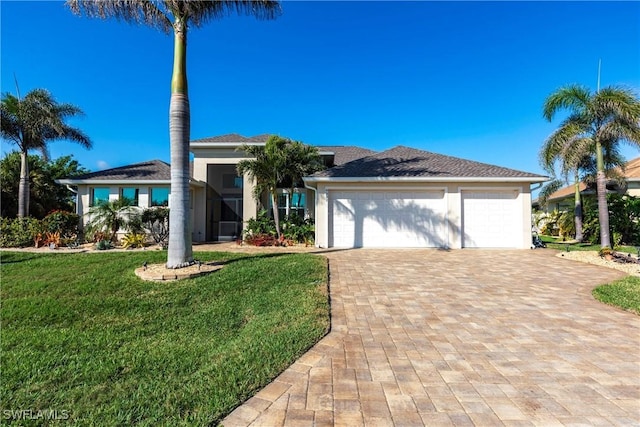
<point>466,79</point>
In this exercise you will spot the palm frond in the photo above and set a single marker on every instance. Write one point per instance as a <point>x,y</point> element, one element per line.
<point>572,97</point>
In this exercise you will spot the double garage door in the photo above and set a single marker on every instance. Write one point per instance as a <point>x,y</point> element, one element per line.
<point>406,219</point>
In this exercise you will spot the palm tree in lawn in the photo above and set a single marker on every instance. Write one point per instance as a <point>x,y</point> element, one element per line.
<point>600,121</point>
<point>176,16</point>
<point>31,123</point>
<point>266,168</point>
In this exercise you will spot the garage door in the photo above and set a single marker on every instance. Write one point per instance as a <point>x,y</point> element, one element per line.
<point>491,219</point>
<point>385,219</point>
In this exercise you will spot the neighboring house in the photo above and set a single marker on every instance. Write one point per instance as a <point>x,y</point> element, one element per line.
<point>564,198</point>
<point>400,197</point>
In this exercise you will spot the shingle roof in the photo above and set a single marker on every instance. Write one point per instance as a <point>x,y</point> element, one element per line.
<point>234,137</point>
<point>345,153</point>
<point>153,170</point>
<point>403,161</point>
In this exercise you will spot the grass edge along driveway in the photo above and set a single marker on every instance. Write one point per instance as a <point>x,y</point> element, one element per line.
<point>84,338</point>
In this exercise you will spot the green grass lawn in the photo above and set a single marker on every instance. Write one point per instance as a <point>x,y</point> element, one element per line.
<point>623,293</point>
<point>81,333</point>
<point>557,243</point>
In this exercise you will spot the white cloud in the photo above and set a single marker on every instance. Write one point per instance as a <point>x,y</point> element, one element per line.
<point>102,165</point>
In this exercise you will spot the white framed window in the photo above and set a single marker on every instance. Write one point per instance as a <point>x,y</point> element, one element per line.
<point>296,205</point>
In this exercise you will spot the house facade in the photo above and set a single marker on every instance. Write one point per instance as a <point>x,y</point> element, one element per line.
<point>400,197</point>
<point>564,198</point>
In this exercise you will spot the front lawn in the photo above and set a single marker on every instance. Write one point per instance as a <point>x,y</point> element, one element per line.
<point>83,336</point>
<point>623,293</point>
<point>558,243</point>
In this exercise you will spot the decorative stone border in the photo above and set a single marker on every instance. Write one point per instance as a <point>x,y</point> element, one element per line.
<point>159,272</point>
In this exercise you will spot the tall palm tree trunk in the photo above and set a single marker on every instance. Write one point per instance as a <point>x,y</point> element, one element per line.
<point>603,209</point>
<point>179,250</point>
<point>23,186</point>
<point>276,214</point>
<point>578,209</point>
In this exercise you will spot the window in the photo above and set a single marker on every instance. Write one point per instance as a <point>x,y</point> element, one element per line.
<point>296,206</point>
<point>159,196</point>
<point>131,194</point>
<point>230,180</point>
<point>99,195</point>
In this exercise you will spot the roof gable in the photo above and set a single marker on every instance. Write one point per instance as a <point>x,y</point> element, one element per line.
<point>405,162</point>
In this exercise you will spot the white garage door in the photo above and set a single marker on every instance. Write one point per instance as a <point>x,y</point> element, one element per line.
<point>386,219</point>
<point>491,219</point>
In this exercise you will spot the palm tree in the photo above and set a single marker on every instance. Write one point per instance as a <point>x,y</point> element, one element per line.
<point>111,216</point>
<point>176,16</point>
<point>301,160</point>
<point>598,121</point>
<point>280,163</point>
<point>31,123</point>
<point>266,169</point>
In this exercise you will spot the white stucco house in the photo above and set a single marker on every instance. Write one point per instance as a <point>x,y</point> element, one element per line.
<point>401,197</point>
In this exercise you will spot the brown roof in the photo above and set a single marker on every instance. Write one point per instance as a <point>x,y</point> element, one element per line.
<point>345,153</point>
<point>403,161</point>
<point>632,169</point>
<point>153,170</point>
<point>234,137</point>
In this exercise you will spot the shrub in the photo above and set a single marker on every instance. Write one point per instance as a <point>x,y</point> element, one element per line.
<point>20,232</point>
<point>261,231</point>
<point>299,229</point>
<point>262,224</point>
<point>103,245</point>
<point>134,240</point>
<point>62,222</point>
<point>156,221</point>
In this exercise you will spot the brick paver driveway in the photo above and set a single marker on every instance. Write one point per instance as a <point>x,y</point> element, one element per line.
<point>466,337</point>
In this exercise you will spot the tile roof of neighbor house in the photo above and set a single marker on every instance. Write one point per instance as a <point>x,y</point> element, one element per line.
<point>408,162</point>
<point>345,153</point>
<point>631,173</point>
<point>152,170</point>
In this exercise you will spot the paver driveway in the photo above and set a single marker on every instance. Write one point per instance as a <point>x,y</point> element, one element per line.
<point>463,337</point>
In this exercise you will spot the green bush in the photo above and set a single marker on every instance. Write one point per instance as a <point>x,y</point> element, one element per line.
<point>104,244</point>
<point>156,222</point>
<point>298,229</point>
<point>63,222</point>
<point>624,219</point>
<point>19,232</point>
<point>293,227</point>
<point>263,224</point>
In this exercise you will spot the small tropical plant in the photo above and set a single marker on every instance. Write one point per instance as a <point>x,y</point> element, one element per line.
<point>134,240</point>
<point>111,216</point>
<point>103,245</point>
